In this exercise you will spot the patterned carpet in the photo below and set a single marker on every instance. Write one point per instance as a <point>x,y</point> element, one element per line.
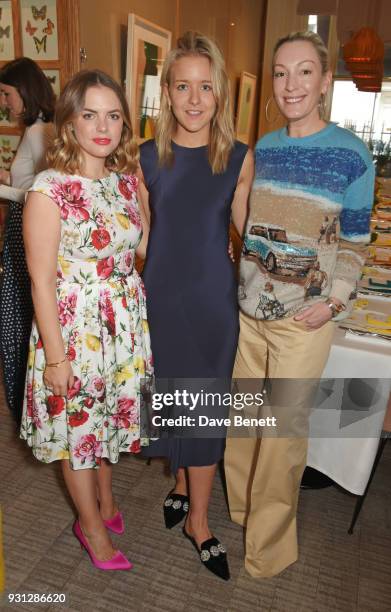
<point>335,571</point>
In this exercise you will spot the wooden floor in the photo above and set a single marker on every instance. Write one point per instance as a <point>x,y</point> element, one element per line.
<point>335,571</point>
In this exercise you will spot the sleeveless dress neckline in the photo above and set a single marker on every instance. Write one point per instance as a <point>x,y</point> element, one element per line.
<point>184,148</point>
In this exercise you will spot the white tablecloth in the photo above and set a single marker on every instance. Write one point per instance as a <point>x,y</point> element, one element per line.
<point>343,444</point>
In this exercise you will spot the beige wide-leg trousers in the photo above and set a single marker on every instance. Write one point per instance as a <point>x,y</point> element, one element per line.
<point>264,474</point>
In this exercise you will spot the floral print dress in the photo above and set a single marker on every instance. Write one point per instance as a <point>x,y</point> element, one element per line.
<point>102,313</point>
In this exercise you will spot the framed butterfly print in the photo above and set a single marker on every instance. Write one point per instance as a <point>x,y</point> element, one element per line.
<point>47,31</point>
<point>54,80</point>
<point>5,119</point>
<point>8,146</point>
<point>7,46</point>
<point>39,29</point>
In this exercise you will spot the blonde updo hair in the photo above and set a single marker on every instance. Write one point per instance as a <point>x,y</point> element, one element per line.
<point>311,37</point>
<point>221,139</point>
<point>65,154</point>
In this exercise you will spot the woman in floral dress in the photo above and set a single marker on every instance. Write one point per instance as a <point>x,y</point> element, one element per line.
<point>89,348</point>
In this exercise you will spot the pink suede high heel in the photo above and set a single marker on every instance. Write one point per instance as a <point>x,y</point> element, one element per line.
<point>116,524</point>
<point>117,562</point>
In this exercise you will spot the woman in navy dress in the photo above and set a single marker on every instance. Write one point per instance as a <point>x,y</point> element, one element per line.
<point>194,177</point>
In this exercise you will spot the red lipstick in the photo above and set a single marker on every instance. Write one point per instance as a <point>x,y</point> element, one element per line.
<point>102,141</point>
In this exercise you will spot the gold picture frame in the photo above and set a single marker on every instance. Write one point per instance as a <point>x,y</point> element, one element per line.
<point>147,47</point>
<point>245,106</point>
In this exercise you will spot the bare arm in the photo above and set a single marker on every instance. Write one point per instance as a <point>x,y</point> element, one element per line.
<point>41,233</point>
<point>240,202</point>
<point>145,213</point>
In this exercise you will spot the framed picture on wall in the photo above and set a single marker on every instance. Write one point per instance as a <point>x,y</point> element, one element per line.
<point>54,80</point>
<point>7,43</point>
<point>39,29</point>
<point>147,47</point>
<point>245,107</point>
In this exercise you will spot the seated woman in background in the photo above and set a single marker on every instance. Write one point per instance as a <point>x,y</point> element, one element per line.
<point>89,346</point>
<point>27,94</point>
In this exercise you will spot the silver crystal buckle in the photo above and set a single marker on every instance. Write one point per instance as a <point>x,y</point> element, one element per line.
<point>215,551</point>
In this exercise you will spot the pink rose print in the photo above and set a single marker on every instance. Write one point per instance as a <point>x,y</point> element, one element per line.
<point>69,197</point>
<point>127,413</point>
<point>66,309</point>
<point>107,312</point>
<point>29,399</point>
<point>100,219</point>
<point>96,387</point>
<point>127,185</point>
<point>74,390</point>
<point>133,215</point>
<point>105,267</point>
<point>37,414</point>
<point>88,447</point>
<point>126,264</point>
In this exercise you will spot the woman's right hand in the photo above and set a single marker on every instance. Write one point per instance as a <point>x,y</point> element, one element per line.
<point>60,379</point>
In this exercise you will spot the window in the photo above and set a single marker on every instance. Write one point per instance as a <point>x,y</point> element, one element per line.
<point>365,113</point>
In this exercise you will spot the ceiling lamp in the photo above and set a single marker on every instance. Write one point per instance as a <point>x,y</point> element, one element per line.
<point>364,58</point>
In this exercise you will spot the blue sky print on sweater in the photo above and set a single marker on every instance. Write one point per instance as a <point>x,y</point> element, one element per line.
<point>327,172</point>
<point>354,223</point>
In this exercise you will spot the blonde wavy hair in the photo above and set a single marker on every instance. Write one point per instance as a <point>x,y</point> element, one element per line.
<point>221,140</point>
<point>65,154</point>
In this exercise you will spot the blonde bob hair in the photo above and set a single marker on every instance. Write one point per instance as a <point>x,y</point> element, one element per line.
<point>65,154</point>
<point>221,140</point>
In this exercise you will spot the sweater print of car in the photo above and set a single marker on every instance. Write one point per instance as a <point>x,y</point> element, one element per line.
<point>270,244</point>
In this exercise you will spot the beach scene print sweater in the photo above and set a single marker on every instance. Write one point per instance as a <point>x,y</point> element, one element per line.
<point>308,224</point>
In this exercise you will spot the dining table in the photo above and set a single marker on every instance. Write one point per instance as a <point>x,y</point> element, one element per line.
<point>352,408</point>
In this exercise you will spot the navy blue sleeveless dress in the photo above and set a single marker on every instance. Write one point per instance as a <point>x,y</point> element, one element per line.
<point>190,280</point>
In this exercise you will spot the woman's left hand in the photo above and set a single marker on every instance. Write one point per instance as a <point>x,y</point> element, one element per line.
<point>315,316</point>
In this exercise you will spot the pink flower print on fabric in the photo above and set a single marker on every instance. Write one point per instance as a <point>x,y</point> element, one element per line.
<point>133,214</point>
<point>127,185</point>
<point>107,311</point>
<point>88,448</point>
<point>37,413</point>
<point>125,265</point>
<point>69,197</point>
<point>67,309</point>
<point>75,389</point>
<point>96,387</point>
<point>127,413</point>
<point>105,267</point>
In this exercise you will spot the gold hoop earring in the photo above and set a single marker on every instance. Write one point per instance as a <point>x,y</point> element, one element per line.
<point>322,106</point>
<point>270,99</point>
